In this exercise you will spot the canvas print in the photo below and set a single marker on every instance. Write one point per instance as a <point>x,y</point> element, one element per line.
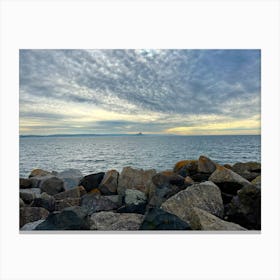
<point>138,140</point>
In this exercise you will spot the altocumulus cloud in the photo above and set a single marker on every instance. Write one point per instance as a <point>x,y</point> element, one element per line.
<point>126,91</point>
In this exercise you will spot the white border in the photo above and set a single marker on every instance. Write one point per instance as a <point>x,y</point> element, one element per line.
<point>156,24</point>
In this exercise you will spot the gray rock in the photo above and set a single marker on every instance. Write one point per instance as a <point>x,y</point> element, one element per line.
<point>206,165</point>
<point>28,195</point>
<point>248,170</point>
<point>52,185</point>
<point>32,225</point>
<point>109,183</point>
<point>71,178</point>
<point>21,203</point>
<point>115,221</point>
<point>206,196</point>
<point>25,183</point>
<point>46,201</point>
<point>32,214</point>
<point>66,202</point>
<point>257,181</point>
<point>202,220</point>
<point>115,199</point>
<point>96,203</point>
<point>76,192</point>
<point>168,177</point>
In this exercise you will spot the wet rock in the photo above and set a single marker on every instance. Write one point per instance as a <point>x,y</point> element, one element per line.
<point>28,195</point>
<point>71,178</point>
<point>203,220</point>
<point>245,208</point>
<point>158,219</point>
<point>32,214</point>
<point>186,167</point>
<point>205,165</point>
<point>96,203</point>
<point>39,173</point>
<point>46,201</point>
<point>92,181</point>
<point>115,221</point>
<point>52,185</point>
<point>168,177</point>
<point>32,225</point>
<point>66,202</point>
<point>109,183</point>
<point>71,218</point>
<point>25,183</point>
<point>135,202</point>
<point>137,179</point>
<point>247,170</point>
<point>76,192</point>
<point>206,196</point>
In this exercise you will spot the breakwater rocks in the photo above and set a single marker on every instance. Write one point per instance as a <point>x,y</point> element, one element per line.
<point>194,195</point>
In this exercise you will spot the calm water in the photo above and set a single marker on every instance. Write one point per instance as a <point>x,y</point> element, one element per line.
<point>94,154</point>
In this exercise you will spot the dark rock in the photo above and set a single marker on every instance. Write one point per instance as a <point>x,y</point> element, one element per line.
<point>32,225</point>
<point>202,220</point>
<point>71,218</point>
<point>186,167</point>
<point>157,219</point>
<point>247,170</point>
<point>32,214</point>
<point>245,208</point>
<point>206,196</point>
<point>228,166</point>
<point>28,195</point>
<point>115,221</point>
<point>66,202</point>
<point>46,201</point>
<point>39,173</point>
<point>200,177</point>
<point>205,165</point>
<point>52,185</point>
<point>92,181</point>
<point>36,181</point>
<point>21,203</point>
<point>115,199</point>
<point>71,178</point>
<point>109,184</point>
<point>25,183</point>
<point>96,203</point>
<point>168,177</point>
<point>76,192</point>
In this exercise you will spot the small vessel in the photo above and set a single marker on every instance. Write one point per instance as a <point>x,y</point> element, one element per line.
<point>140,133</point>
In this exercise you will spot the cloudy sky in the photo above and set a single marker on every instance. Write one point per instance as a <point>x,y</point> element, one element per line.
<point>188,92</point>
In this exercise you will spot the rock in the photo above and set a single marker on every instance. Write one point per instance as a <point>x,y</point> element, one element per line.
<point>248,170</point>
<point>46,201</point>
<point>95,191</point>
<point>188,181</point>
<point>71,218</point>
<point>25,183</point>
<point>168,177</point>
<point>227,180</point>
<point>206,196</point>
<point>32,214</point>
<point>135,202</point>
<point>206,165</point>
<point>96,203</point>
<point>201,177</point>
<point>245,208</point>
<point>36,181</point>
<point>257,181</point>
<point>52,185</point>
<point>137,179</point>
<point>115,221</point>
<point>92,181</point>
<point>76,192</point>
<point>115,199</point>
<point>157,219</point>
<point>32,225</point>
<point>67,202</point>
<point>228,166</point>
<point>28,195</point>
<point>109,183</point>
<point>71,178</point>
<point>186,167</point>
<point>39,173</point>
<point>21,203</point>
<point>202,220</point>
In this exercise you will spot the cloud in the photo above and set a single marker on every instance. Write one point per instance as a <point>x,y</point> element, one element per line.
<point>86,87</point>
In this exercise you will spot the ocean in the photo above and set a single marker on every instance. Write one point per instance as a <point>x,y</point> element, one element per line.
<point>92,154</point>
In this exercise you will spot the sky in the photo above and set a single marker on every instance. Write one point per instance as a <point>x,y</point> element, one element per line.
<point>185,92</point>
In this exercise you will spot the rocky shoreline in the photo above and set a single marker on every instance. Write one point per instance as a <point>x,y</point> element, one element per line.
<point>194,195</point>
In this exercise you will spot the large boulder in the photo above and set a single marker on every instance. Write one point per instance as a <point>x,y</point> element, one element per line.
<point>248,170</point>
<point>92,181</point>
<point>228,181</point>
<point>186,167</point>
<point>137,179</point>
<point>28,195</point>
<point>52,185</point>
<point>32,214</point>
<point>202,220</point>
<point>245,208</point>
<point>206,165</point>
<point>135,202</point>
<point>157,219</point>
<point>71,178</point>
<point>67,202</point>
<point>71,218</point>
<point>109,183</point>
<point>95,203</point>
<point>25,183</point>
<point>76,192</point>
<point>39,173</point>
<point>115,221</point>
<point>168,177</point>
<point>206,196</point>
<point>32,225</point>
<point>46,201</point>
